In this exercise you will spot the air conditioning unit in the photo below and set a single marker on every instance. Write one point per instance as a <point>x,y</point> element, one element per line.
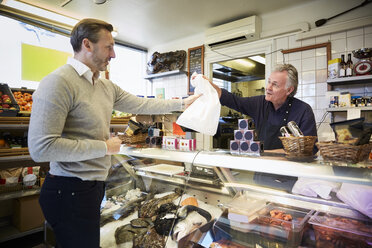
<point>247,29</point>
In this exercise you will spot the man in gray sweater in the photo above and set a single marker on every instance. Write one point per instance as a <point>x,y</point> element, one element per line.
<point>69,128</point>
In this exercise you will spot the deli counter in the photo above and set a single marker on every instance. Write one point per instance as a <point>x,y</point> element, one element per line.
<point>216,199</point>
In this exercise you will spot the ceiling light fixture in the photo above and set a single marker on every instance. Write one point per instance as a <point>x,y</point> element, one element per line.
<point>99,1</point>
<point>258,59</point>
<point>245,63</point>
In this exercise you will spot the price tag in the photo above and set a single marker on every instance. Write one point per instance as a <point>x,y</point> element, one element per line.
<point>353,113</point>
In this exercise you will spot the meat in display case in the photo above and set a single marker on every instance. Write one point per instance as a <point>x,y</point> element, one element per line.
<point>274,225</point>
<point>181,208</point>
<point>335,230</point>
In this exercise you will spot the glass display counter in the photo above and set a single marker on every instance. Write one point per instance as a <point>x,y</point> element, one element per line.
<point>215,199</point>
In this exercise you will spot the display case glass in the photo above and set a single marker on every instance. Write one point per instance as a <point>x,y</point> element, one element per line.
<point>215,199</point>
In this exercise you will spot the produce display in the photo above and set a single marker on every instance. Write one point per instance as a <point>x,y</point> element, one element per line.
<point>24,100</point>
<point>8,140</point>
<point>6,101</point>
<point>118,114</point>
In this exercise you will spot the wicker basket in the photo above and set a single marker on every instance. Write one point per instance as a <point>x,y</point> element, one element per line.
<point>134,139</point>
<point>344,152</point>
<point>298,146</point>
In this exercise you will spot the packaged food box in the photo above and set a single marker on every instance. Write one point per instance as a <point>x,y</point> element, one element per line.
<point>335,230</point>
<point>333,68</point>
<point>8,104</point>
<point>273,225</point>
<point>23,96</point>
<point>242,208</point>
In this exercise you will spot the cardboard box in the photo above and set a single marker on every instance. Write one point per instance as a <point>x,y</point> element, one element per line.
<point>27,213</point>
<point>344,100</point>
<point>333,68</point>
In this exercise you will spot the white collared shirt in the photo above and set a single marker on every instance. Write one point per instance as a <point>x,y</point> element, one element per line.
<point>81,69</point>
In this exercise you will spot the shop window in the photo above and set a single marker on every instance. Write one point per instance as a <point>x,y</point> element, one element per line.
<point>22,42</point>
<point>27,51</point>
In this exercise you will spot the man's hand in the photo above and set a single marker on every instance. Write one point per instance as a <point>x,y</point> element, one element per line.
<point>219,92</point>
<point>189,100</point>
<point>113,145</point>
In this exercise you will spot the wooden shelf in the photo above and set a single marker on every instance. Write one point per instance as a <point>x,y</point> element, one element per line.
<point>18,161</point>
<point>366,79</point>
<point>344,109</point>
<point>13,126</point>
<point>19,194</point>
<point>11,232</point>
<point>165,74</point>
<point>23,122</point>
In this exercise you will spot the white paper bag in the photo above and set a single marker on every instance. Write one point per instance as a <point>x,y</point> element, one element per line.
<point>204,113</point>
<point>314,187</point>
<point>357,196</point>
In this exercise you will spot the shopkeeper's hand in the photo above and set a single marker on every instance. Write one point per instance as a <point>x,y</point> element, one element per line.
<point>219,92</point>
<point>113,145</point>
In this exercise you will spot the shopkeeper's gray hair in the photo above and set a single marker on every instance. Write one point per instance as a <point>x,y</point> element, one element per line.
<point>292,79</point>
<point>87,28</point>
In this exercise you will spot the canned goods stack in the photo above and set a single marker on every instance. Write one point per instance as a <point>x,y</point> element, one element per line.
<point>245,139</point>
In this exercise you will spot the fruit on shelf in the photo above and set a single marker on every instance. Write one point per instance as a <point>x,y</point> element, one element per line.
<point>6,99</point>
<point>24,100</point>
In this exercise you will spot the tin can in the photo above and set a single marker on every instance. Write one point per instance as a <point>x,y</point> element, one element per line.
<point>295,130</point>
<point>285,132</point>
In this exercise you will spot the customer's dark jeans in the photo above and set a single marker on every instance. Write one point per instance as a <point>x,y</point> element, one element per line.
<point>72,207</point>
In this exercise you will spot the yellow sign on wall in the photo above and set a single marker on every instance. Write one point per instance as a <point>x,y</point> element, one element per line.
<point>37,62</point>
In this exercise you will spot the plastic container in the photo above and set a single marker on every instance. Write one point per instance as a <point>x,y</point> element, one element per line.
<point>335,230</point>
<point>264,230</point>
<point>242,208</point>
<point>279,232</point>
<point>234,224</point>
<point>9,108</point>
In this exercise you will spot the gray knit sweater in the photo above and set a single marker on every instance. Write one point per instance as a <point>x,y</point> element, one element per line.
<point>70,120</point>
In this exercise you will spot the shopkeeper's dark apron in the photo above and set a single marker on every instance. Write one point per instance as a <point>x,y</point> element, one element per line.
<point>269,135</point>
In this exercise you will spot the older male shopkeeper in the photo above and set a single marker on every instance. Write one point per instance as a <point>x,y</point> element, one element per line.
<point>274,109</point>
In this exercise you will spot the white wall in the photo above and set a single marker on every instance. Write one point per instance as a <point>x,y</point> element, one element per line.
<point>313,11</point>
<point>311,64</point>
<point>175,86</point>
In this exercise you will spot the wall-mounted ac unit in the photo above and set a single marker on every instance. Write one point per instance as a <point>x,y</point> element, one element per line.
<point>247,29</point>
